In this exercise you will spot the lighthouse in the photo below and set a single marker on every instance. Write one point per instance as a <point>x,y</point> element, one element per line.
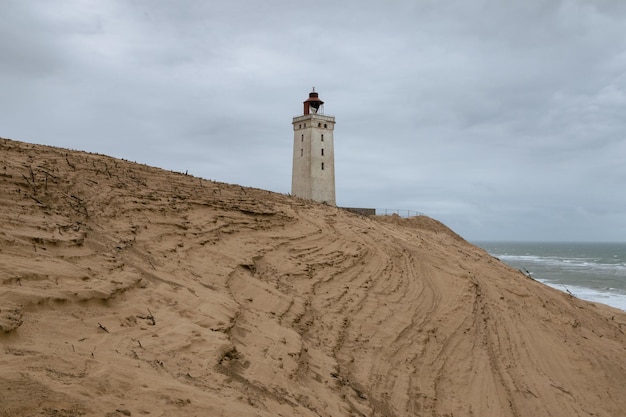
<point>313,174</point>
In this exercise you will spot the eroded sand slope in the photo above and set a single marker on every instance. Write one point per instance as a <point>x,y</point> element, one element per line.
<point>129,290</point>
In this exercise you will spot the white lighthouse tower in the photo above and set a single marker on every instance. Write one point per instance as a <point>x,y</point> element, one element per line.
<point>313,175</point>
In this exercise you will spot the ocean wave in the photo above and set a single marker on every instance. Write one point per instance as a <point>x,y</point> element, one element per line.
<point>565,263</point>
<point>590,272</point>
<point>613,297</point>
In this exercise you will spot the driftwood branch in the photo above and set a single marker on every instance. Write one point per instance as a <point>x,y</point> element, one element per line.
<point>27,181</point>
<point>38,201</point>
<point>571,294</point>
<point>103,328</point>
<point>47,173</point>
<point>79,202</point>
<point>149,317</point>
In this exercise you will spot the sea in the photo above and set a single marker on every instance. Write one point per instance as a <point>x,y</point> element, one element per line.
<point>590,271</point>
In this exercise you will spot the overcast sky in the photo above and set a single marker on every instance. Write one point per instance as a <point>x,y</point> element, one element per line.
<point>506,120</point>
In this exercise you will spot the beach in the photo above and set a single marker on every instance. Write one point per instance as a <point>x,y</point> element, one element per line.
<point>128,290</point>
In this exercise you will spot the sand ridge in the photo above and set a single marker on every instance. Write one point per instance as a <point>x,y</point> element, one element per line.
<point>130,290</point>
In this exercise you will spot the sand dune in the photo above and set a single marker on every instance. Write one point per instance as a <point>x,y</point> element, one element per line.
<point>127,290</point>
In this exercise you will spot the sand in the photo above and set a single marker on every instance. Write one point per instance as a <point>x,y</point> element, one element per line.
<point>127,290</point>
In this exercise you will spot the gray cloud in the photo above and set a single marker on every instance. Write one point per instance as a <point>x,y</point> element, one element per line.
<point>503,120</point>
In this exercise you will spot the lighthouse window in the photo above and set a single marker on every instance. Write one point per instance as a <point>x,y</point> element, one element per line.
<point>322,151</point>
<point>322,166</point>
<point>319,125</point>
<point>300,126</point>
<point>322,137</point>
<point>302,138</point>
<point>325,126</point>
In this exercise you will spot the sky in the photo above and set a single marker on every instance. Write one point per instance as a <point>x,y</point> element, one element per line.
<point>504,120</point>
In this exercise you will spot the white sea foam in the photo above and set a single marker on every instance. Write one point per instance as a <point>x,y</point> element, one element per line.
<point>565,263</point>
<point>611,297</point>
